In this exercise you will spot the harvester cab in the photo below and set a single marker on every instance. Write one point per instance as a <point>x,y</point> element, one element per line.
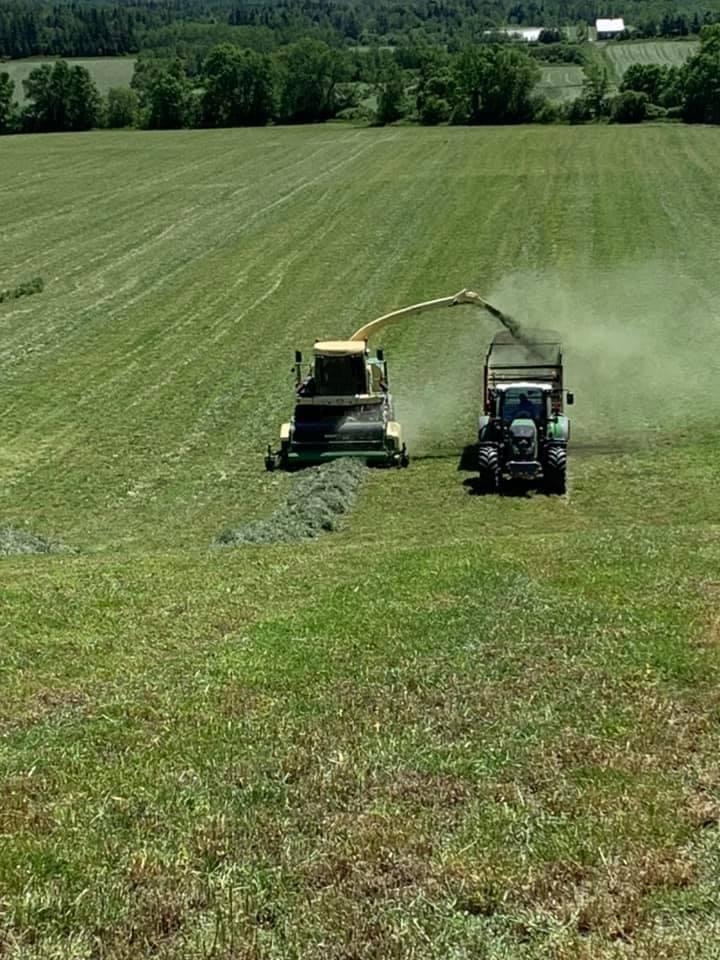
<point>343,408</point>
<point>341,368</point>
<point>523,431</point>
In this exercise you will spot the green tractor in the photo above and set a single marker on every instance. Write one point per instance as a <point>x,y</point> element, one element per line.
<point>523,431</point>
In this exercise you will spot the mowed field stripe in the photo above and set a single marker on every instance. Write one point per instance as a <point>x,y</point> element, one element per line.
<point>157,362</point>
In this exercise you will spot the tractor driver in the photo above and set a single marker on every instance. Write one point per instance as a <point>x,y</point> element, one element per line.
<point>525,409</point>
<point>307,387</point>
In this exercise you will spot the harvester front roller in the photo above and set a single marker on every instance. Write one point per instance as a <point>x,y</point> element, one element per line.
<point>286,458</point>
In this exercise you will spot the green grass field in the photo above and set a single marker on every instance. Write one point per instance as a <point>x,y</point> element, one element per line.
<point>561,81</point>
<point>459,727</point>
<point>670,53</point>
<point>107,72</point>
<point>564,81</point>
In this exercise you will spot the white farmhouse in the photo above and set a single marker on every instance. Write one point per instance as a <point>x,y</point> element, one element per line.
<point>608,29</point>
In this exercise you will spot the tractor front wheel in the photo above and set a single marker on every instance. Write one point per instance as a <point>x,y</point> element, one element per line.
<point>556,471</point>
<point>489,468</point>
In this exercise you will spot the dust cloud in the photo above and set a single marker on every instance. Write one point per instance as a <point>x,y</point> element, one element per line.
<point>640,349</point>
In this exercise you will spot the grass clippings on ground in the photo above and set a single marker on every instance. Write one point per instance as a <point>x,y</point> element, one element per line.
<point>319,497</point>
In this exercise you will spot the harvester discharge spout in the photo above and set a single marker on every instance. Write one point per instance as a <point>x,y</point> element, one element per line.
<point>461,298</point>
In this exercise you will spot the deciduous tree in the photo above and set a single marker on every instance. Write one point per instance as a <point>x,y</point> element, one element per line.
<point>167,99</point>
<point>630,106</point>
<point>701,80</point>
<point>61,97</point>
<point>494,83</point>
<point>647,78</point>
<point>7,102</point>
<point>310,72</point>
<point>595,89</point>
<point>391,94</point>
<point>239,88</point>
<point>121,107</point>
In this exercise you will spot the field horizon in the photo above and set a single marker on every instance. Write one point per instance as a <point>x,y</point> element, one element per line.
<point>458,726</point>
<point>558,82</point>
<point>107,72</point>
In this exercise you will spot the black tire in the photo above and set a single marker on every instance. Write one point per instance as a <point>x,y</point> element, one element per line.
<point>556,471</point>
<point>489,469</point>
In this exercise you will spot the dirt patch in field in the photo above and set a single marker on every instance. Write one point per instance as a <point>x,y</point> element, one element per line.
<point>50,705</point>
<point>23,805</point>
<point>703,802</point>
<point>423,789</point>
<point>370,857</point>
<point>318,499</point>
<point>17,541</point>
<point>712,634</point>
<point>609,901</point>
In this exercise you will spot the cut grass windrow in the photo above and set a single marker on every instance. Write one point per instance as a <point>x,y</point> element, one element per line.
<point>319,497</point>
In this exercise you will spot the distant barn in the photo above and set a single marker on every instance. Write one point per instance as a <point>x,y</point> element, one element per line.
<point>528,34</point>
<point>608,29</point>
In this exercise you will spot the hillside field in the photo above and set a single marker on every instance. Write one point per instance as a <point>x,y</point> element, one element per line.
<point>460,726</point>
<point>668,53</point>
<point>107,72</point>
<point>564,81</point>
<point>560,81</point>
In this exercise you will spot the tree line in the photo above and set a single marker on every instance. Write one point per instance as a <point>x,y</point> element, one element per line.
<point>30,29</point>
<point>310,82</point>
<point>82,28</point>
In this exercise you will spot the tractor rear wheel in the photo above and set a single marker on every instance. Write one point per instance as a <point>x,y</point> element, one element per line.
<point>489,468</point>
<point>556,471</point>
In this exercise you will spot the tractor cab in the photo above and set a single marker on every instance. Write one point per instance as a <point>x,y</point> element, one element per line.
<point>523,401</point>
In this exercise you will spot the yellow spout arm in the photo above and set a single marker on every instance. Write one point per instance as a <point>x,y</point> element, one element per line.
<point>462,297</point>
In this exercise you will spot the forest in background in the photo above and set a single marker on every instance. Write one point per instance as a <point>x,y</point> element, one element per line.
<point>178,27</point>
